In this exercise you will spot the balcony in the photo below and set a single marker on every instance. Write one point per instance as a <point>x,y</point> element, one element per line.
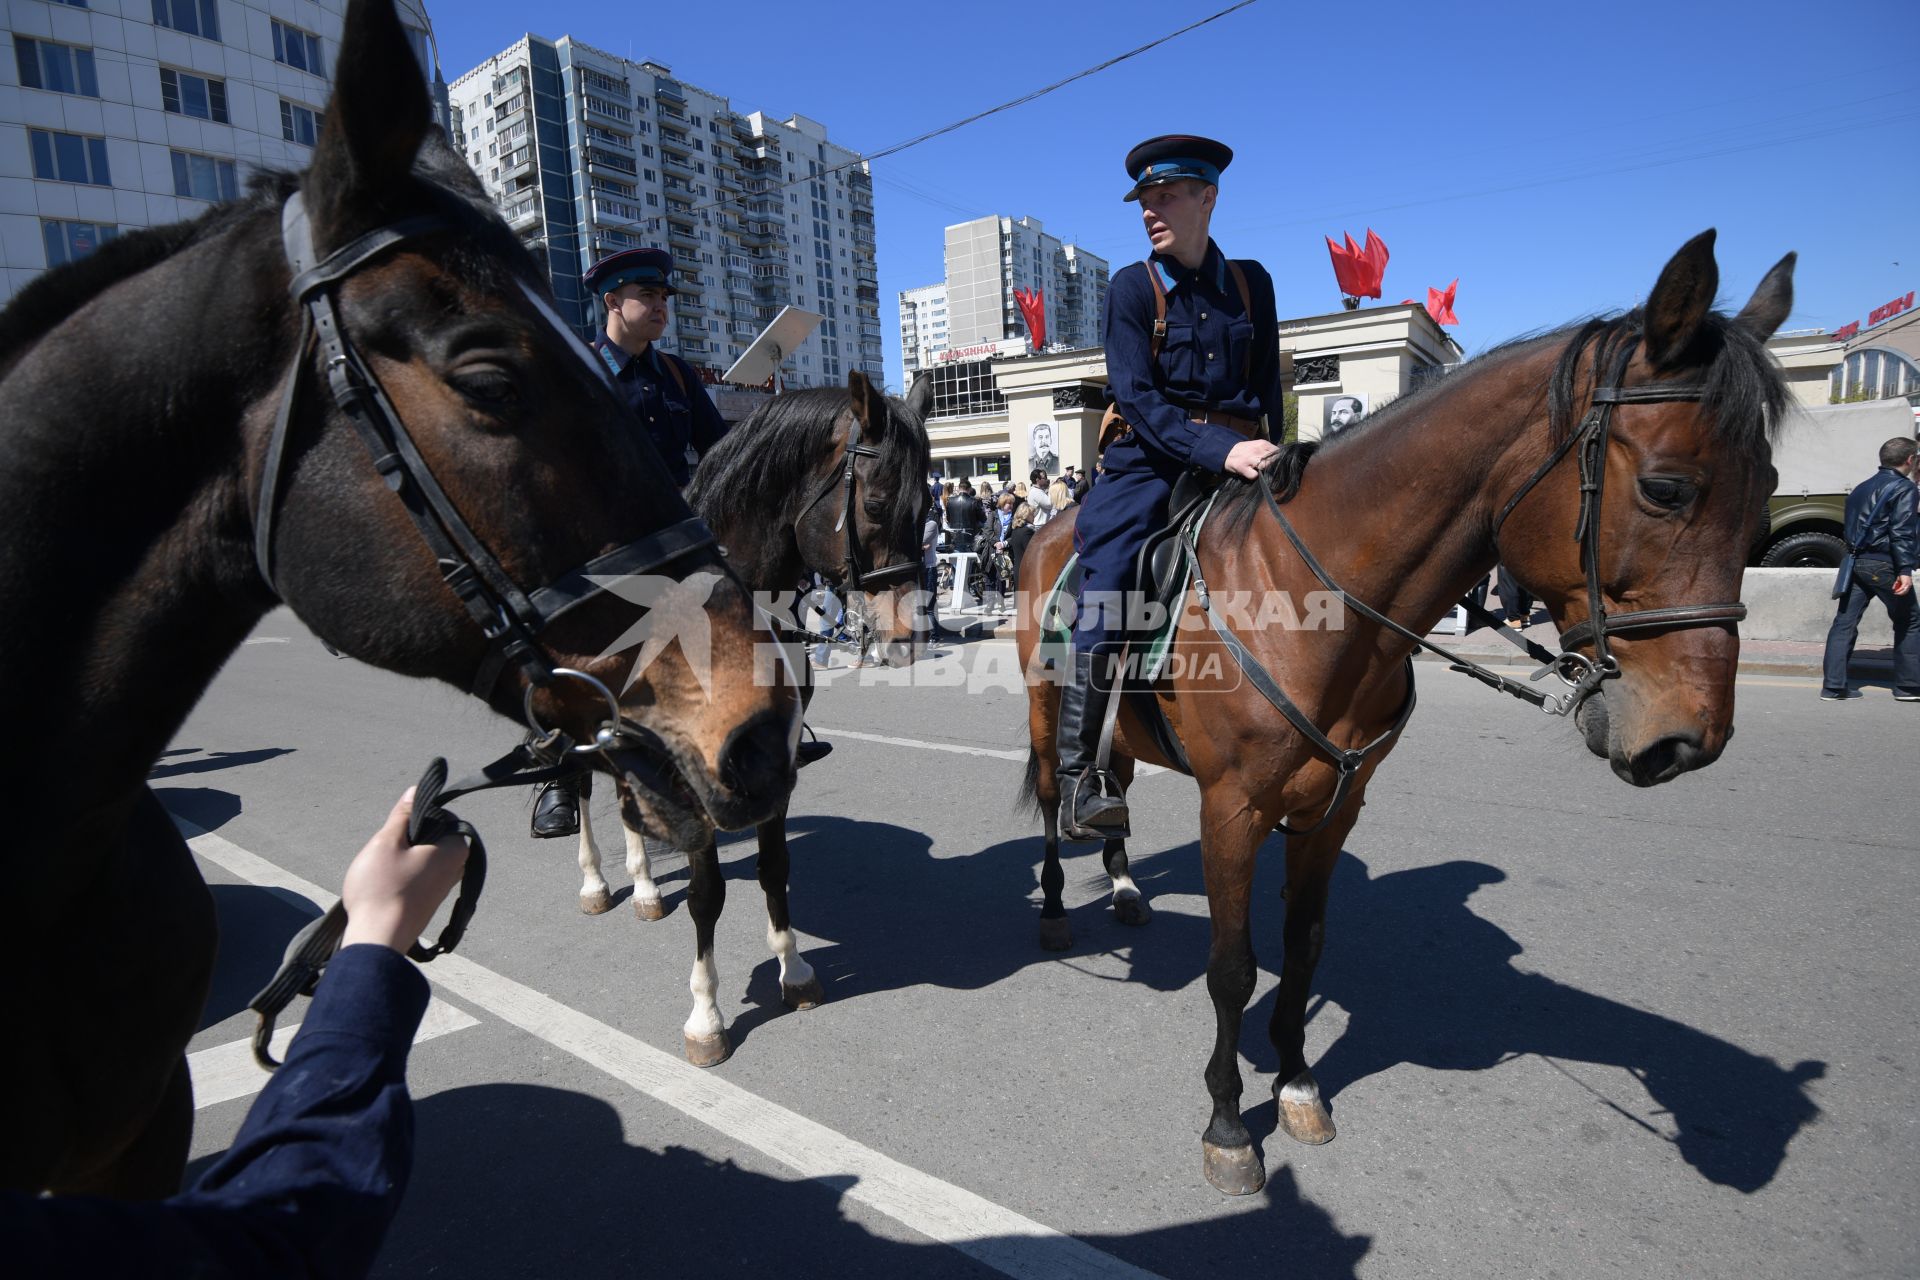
<point>689,302</point>
<point>674,140</point>
<point>683,239</point>
<point>674,164</point>
<point>601,160</point>
<point>522,214</point>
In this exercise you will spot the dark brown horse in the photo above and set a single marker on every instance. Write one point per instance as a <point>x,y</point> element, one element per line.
<point>139,394</point>
<point>1404,514</point>
<point>817,481</point>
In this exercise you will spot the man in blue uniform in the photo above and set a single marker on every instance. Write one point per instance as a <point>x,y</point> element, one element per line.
<point>667,398</point>
<point>1192,351</point>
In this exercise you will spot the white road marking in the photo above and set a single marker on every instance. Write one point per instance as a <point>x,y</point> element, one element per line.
<point>1008,1242</point>
<point>956,748</point>
<point>228,1071</point>
<point>266,640</point>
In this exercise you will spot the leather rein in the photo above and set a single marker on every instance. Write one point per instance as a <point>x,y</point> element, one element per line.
<point>1581,674</point>
<point>510,618</point>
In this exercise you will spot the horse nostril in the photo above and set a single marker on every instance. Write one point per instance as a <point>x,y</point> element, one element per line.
<point>755,761</point>
<point>1668,758</point>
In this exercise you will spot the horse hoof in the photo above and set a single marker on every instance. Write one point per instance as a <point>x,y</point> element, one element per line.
<point>1234,1170</point>
<point>597,903</point>
<point>1303,1116</point>
<point>805,996</point>
<point>1056,934</point>
<point>708,1051</point>
<point>650,908</point>
<point>1132,910</point>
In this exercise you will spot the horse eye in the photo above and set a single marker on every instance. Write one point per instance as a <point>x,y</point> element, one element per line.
<point>1672,494</point>
<point>494,389</point>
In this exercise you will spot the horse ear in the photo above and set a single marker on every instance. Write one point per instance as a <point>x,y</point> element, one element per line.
<point>1680,301</point>
<point>378,114</point>
<point>920,395</point>
<point>1771,303</point>
<point>869,406</point>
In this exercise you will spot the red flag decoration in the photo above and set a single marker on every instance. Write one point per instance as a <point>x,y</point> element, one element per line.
<point>1033,309</point>
<point>1440,303</point>
<point>1358,268</point>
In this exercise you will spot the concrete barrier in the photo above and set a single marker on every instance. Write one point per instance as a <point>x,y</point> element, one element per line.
<point>1794,604</point>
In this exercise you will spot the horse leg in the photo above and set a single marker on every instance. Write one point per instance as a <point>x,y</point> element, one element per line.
<point>1129,904</point>
<point>646,894</point>
<point>1043,706</point>
<point>1310,862</point>
<point>595,898</point>
<point>706,1030</point>
<point>799,988</point>
<point>1228,848</point>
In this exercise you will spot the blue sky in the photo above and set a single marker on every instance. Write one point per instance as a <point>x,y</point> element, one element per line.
<point>1550,155</point>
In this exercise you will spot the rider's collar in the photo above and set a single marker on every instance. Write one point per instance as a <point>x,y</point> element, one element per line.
<point>1172,274</point>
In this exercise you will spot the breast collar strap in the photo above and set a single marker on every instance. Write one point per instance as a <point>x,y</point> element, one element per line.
<point>507,616</point>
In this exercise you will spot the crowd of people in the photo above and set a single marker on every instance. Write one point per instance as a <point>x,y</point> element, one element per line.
<point>994,519</point>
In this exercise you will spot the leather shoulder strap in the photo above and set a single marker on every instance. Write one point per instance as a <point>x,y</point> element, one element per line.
<point>1159,340</point>
<point>1246,309</point>
<point>672,362</point>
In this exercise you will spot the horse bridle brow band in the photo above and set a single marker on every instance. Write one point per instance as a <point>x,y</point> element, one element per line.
<point>507,616</point>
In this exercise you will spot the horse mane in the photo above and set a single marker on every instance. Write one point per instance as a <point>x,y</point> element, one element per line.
<point>1742,390</point>
<point>57,294</point>
<point>753,475</point>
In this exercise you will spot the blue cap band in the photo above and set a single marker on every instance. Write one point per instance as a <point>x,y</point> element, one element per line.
<point>1168,170</point>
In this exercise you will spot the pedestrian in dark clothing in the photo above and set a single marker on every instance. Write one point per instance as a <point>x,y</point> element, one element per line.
<point>1515,600</point>
<point>1883,535</point>
<point>314,1177</point>
<point>966,517</point>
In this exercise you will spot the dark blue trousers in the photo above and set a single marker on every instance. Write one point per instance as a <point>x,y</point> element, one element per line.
<point>1119,514</point>
<point>1873,580</point>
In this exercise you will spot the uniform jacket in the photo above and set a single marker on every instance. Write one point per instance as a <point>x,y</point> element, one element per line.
<point>308,1187</point>
<point>1215,357</point>
<point>1895,532</point>
<point>672,418</point>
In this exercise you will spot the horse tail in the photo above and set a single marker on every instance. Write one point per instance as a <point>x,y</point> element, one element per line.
<point>1030,786</point>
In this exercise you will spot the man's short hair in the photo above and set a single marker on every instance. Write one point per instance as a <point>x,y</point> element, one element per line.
<point>967,485</point>
<point>1897,452</point>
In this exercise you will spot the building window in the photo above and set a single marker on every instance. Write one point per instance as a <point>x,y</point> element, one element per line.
<point>200,177</point>
<point>72,241</point>
<point>298,124</point>
<point>195,17</point>
<point>1874,374</point>
<point>190,95</point>
<point>57,68</point>
<point>69,157</point>
<point>298,49</point>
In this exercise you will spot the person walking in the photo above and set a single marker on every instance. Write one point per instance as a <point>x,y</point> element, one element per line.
<point>1192,349</point>
<point>1883,543</point>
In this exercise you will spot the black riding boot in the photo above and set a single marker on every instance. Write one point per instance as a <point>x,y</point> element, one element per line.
<point>1088,811</point>
<point>557,812</point>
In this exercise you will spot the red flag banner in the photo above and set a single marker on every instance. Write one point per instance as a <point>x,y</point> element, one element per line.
<point>1440,303</point>
<point>1359,268</point>
<point>1033,309</point>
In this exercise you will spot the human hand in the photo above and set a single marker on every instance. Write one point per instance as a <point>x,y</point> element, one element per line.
<point>392,888</point>
<point>1250,457</point>
<point>1902,584</point>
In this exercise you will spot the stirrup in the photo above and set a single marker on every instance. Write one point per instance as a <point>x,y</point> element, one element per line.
<point>1117,823</point>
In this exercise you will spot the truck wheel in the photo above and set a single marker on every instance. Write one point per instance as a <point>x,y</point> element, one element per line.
<point>1805,551</point>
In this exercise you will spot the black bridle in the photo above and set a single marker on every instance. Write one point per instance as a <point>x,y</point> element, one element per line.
<point>850,572</point>
<point>510,618</point>
<point>1582,674</point>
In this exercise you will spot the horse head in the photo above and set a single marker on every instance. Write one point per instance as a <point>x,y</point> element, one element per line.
<point>1672,495</point>
<point>535,455</point>
<point>877,500</point>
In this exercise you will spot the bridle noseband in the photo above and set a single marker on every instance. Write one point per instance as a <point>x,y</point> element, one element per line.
<point>851,572</point>
<point>510,618</point>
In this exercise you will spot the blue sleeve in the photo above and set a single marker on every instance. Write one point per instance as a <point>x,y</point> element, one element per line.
<point>1137,383</point>
<point>708,425</point>
<point>1266,361</point>
<point>311,1182</point>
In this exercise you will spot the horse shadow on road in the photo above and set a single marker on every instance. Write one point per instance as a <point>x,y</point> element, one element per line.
<point>1423,979</point>
<point>525,1180</point>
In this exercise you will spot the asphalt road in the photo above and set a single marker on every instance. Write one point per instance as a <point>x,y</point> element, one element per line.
<point>1567,1028</point>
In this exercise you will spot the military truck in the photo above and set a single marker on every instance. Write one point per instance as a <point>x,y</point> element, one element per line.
<point>1822,453</point>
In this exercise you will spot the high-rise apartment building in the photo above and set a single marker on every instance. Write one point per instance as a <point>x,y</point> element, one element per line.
<point>588,153</point>
<point>923,326</point>
<point>135,113</point>
<point>988,258</point>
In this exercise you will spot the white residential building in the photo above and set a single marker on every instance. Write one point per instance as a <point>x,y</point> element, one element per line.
<point>588,153</point>
<point>119,114</point>
<point>988,258</point>
<point>923,326</point>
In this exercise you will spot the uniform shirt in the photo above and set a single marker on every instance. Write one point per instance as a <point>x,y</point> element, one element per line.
<point>1214,357</point>
<point>309,1185</point>
<point>672,420</point>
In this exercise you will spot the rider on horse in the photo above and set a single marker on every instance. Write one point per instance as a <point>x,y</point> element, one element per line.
<point>1192,350</point>
<point>668,400</point>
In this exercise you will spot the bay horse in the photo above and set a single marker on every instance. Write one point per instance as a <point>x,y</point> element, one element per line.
<point>817,481</point>
<point>1403,514</point>
<point>172,467</point>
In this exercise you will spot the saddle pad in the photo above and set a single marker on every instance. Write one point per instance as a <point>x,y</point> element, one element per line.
<point>1056,641</point>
